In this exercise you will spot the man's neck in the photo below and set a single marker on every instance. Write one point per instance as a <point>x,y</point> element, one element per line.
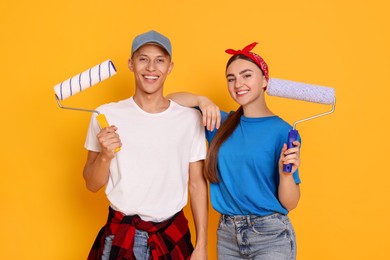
<point>152,103</point>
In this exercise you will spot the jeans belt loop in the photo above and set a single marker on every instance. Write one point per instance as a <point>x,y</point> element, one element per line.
<point>248,220</point>
<point>223,217</point>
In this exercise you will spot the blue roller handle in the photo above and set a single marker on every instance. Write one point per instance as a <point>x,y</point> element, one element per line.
<point>292,136</point>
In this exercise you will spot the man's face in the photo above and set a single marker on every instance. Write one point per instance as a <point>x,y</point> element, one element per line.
<point>151,65</point>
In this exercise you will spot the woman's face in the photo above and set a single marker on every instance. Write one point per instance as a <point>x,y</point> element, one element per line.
<point>246,82</point>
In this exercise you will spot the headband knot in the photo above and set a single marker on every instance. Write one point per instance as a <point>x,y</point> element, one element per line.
<point>253,56</point>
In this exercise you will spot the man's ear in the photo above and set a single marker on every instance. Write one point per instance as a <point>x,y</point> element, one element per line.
<point>130,65</point>
<point>171,67</point>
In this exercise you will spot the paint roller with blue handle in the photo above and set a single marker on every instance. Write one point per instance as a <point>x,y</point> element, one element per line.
<point>305,92</point>
<point>83,81</point>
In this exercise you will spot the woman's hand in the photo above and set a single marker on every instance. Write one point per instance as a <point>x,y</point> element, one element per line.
<point>210,112</point>
<point>288,156</point>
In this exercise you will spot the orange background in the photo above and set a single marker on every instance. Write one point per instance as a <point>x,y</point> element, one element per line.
<point>47,213</point>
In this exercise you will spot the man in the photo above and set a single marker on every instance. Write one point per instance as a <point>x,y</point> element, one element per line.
<point>162,148</point>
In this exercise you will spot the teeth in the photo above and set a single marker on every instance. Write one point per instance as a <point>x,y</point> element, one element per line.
<point>242,92</point>
<point>151,77</point>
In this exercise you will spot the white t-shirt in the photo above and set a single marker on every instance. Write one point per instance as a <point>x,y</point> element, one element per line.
<point>149,175</point>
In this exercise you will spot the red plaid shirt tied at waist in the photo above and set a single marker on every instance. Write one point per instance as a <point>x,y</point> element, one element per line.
<point>169,239</point>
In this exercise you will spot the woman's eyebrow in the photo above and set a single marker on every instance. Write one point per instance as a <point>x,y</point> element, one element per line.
<point>241,72</point>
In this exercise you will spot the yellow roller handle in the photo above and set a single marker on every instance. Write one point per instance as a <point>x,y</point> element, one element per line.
<point>102,120</point>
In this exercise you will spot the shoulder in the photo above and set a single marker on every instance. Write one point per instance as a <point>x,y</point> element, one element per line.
<point>190,111</point>
<point>225,115</point>
<point>211,134</point>
<point>115,105</point>
<point>282,127</point>
<point>281,123</point>
<point>278,125</point>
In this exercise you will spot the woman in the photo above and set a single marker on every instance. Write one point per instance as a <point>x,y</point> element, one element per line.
<point>245,165</point>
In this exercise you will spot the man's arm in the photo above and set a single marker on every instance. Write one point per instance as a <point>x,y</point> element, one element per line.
<point>199,206</point>
<point>96,171</point>
<point>97,168</point>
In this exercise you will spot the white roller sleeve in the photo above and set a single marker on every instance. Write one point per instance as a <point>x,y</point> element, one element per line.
<point>300,91</point>
<point>85,80</point>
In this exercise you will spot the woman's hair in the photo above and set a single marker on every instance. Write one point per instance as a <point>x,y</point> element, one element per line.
<point>223,133</point>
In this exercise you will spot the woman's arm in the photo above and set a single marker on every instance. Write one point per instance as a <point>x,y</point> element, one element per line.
<point>289,192</point>
<point>210,111</point>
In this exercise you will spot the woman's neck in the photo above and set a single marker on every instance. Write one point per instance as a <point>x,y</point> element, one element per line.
<point>258,109</point>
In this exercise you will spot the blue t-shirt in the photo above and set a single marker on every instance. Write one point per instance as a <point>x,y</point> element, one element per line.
<point>248,167</point>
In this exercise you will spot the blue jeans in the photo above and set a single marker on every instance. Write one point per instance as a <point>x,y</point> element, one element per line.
<point>252,237</point>
<point>141,249</point>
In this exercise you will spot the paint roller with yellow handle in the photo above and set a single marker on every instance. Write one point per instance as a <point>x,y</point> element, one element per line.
<point>83,81</point>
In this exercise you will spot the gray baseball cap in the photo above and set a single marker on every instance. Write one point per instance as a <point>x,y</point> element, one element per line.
<point>151,37</point>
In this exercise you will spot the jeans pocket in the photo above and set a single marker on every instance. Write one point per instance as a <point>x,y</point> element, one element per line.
<point>269,226</point>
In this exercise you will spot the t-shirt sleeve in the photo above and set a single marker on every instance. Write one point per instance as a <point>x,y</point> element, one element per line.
<point>198,149</point>
<point>91,142</point>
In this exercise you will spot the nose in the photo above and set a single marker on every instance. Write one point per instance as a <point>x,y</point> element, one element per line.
<point>150,66</point>
<point>238,83</point>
